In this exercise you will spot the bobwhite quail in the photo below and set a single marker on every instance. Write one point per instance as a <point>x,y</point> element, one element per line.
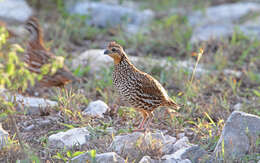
<point>137,88</point>
<point>37,56</point>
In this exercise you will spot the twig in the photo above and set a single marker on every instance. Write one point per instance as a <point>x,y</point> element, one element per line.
<point>197,62</point>
<point>16,131</point>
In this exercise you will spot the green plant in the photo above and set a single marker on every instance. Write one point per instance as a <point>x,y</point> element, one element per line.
<point>234,84</point>
<point>68,155</point>
<point>69,102</point>
<point>15,76</point>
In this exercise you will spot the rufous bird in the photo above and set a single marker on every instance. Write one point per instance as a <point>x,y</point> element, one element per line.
<point>38,55</point>
<point>139,89</point>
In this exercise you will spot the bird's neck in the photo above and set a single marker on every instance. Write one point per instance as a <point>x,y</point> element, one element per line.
<point>37,42</point>
<point>124,64</point>
<point>36,37</point>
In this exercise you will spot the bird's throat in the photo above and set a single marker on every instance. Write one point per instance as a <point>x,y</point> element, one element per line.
<point>116,58</point>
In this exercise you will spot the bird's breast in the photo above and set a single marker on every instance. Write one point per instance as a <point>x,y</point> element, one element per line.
<point>123,82</point>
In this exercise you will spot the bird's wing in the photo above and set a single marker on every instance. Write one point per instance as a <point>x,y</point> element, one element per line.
<point>150,86</point>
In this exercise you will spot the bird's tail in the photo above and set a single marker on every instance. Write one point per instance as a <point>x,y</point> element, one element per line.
<point>170,103</point>
<point>70,75</point>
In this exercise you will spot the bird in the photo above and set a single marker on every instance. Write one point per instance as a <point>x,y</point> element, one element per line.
<point>139,89</point>
<point>38,55</point>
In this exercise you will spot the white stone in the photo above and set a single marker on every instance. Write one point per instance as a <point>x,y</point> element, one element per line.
<point>15,10</point>
<point>70,138</point>
<point>96,108</point>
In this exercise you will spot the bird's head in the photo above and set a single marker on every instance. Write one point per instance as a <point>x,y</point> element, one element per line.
<point>115,51</point>
<point>33,27</point>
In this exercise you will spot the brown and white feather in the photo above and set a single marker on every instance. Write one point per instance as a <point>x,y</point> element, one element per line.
<point>37,56</point>
<point>138,88</point>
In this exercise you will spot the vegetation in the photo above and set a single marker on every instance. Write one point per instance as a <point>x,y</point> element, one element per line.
<point>207,100</point>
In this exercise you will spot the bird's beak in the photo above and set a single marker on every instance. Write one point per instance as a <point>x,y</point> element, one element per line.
<point>107,52</point>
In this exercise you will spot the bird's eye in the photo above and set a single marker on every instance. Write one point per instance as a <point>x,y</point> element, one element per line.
<point>113,49</point>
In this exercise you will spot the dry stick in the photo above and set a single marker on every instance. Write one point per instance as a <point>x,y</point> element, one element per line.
<point>16,130</point>
<point>194,70</point>
<point>197,62</point>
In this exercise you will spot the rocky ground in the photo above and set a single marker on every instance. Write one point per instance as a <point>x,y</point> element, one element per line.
<point>86,122</point>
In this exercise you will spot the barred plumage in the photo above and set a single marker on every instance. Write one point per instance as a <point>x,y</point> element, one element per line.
<point>137,88</point>
<point>37,56</point>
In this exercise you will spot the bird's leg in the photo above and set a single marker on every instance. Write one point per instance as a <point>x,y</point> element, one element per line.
<point>140,127</point>
<point>150,118</point>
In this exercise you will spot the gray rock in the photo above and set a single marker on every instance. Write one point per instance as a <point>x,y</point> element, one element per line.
<point>148,159</point>
<point>181,143</point>
<point>180,135</point>
<point>107,15</point>
<point>34,105</point>
<point>251,28</point>
<point>168,145</point>
<point>226,13</point>
<point>170,139</point>
<point>38,123</point>
<point>15,10</point>
<point>211,32</point>
<point>171,145</point>
<point>134,145</point>
<point>172,160</point>
<point>192,154</point>
<point>220,21</point>
<point>70,138</point>
<point>100,158</point>
<point>3,137</point>
<point>239,136</point>
<point>96,108</point>
<point>93,58</point>
<point>109,157</point>
<point>238,107</point>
